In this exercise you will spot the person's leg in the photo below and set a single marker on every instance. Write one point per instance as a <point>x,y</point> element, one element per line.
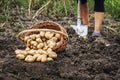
<point>99,16</point>
<point>84,12</point>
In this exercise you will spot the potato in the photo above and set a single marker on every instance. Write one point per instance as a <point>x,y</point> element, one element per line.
<point>36,56</point>
<point>32,52</point>
<point>42,33</point>
<point>52,54</point>
<point>20,56</point>
<point>49,35</point>
<point>48,41</point>
<point>43,58</point>
<point>33,36</point>
<point>26,38</point>
<point>29,58</point>
<point>39,40</point>
<point>49,50</point>
<point>34,47</point>
<point>40,51</point>
<point>28,42</point>
<point>45,46</point>
<point>54,39</point>
<point>27,49</point>
<point>52,44</point>
<point>31,47</point>
<point>21,52</point>
<point>43,39</point>
<point>37,36</point>
<point>39,58</point>
<point>40,45</point>
<point>34,43</point>
<point>58,43</point>
<point>58,36</point>
<point>49,59</point>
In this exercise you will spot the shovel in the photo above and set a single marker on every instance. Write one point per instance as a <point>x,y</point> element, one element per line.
<point>80,29</point>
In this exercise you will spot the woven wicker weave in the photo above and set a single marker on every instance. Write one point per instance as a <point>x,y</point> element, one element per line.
<point>48,26</point>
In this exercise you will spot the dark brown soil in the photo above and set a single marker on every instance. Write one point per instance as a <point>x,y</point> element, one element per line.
<point>80,61</point>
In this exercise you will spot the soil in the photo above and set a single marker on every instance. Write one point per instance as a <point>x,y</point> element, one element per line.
<point>81,60</point>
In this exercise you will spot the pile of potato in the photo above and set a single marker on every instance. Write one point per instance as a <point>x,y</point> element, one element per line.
<point>39,47</point>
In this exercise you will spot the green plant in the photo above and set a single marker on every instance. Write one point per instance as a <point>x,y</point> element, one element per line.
<point>113,8</point>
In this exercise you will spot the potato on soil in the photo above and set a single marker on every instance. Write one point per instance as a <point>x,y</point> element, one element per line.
<point>39,58</point>
<point>21,52</point>
<point>29,58</point>
<point>49,59</point>
<point>32,52</point>
<point>40,51</point>
<point>44,58</point>
<point>52,54</point>
<point>36,55</point>
<point>20,56</point>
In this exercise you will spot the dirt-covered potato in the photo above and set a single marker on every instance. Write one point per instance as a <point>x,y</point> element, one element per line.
<point>39,58</point>
<point>20,56</point>
<point>29,58</point>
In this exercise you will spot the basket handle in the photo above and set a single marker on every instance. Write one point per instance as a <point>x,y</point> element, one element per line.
<point>33,30</point>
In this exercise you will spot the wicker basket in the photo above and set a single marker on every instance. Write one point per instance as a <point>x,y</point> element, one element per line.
<point>47,26</point>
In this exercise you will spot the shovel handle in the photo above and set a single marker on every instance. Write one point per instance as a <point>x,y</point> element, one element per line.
<point>79,9</point>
